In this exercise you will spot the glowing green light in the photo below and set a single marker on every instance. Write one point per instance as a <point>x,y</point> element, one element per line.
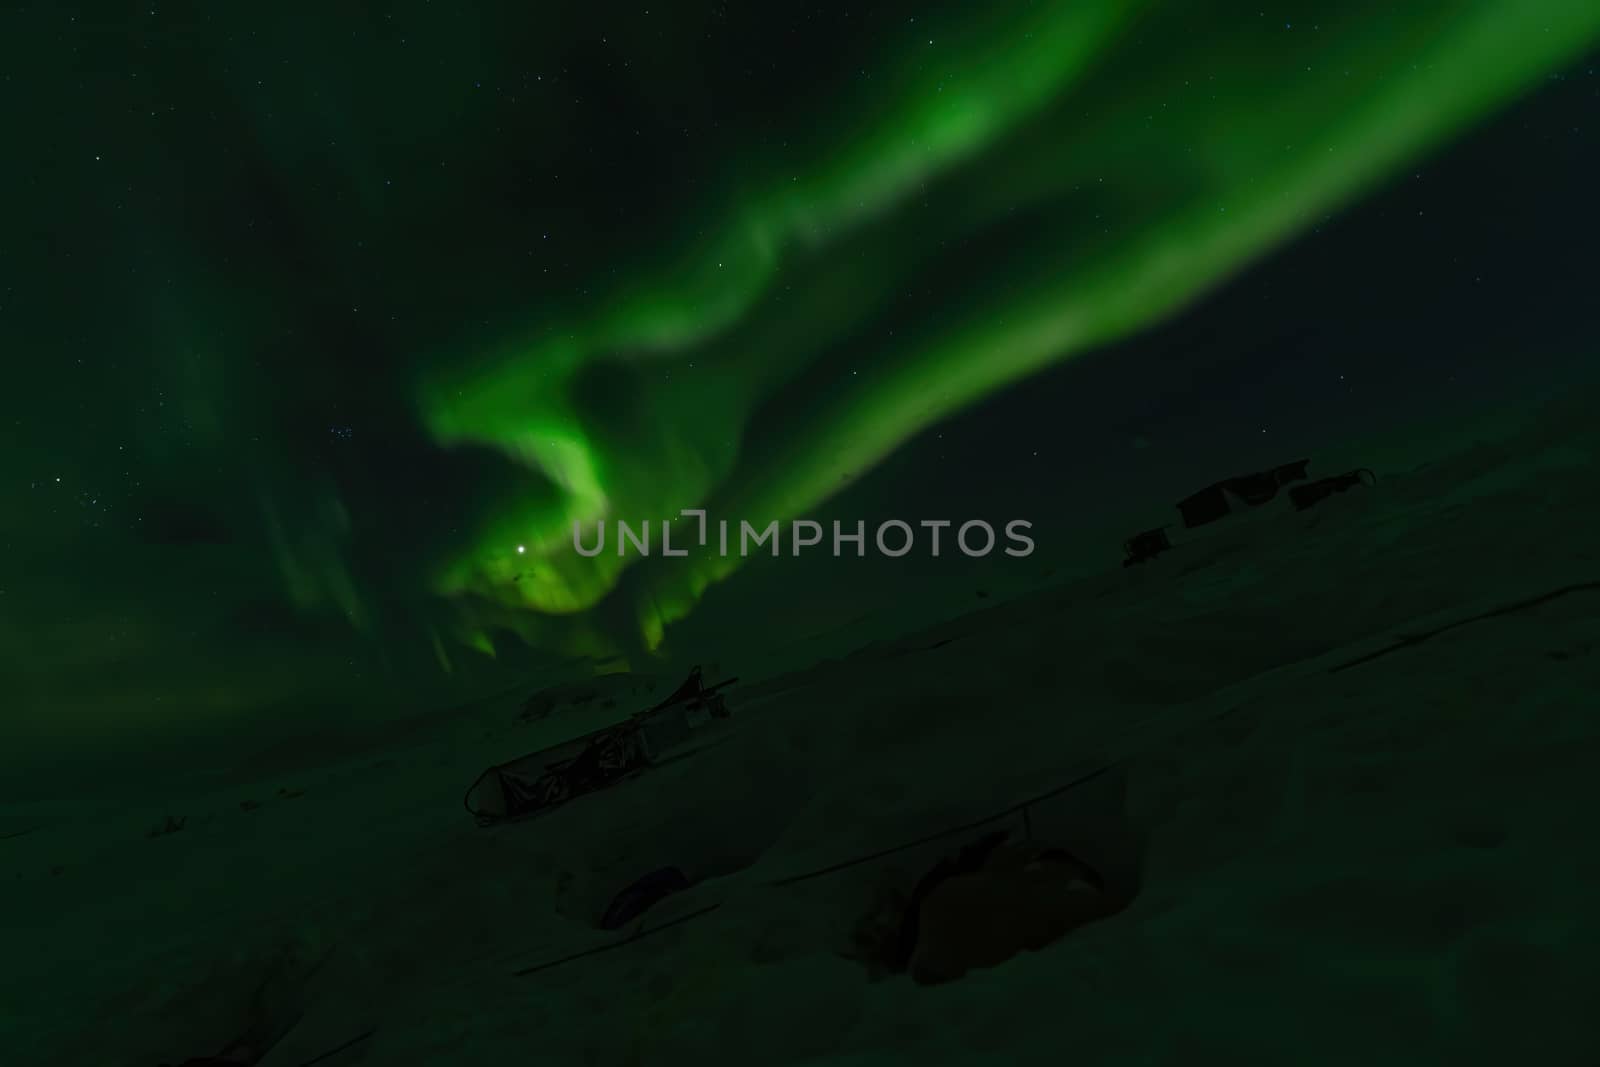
<point>1148,170</point>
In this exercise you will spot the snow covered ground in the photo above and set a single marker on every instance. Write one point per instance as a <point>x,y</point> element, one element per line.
<point>1356,748</point>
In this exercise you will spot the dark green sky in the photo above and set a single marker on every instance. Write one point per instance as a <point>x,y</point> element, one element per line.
<point>310,323</point>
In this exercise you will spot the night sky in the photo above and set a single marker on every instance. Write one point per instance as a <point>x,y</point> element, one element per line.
<point>311,325</point>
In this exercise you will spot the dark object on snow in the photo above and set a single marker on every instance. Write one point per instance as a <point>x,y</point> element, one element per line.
<point>990,901</point>
<point>172,825</point>
<point>1208,505</point>
<point>969,859</point>
<point>1146,545</point>
<point>1023,899</point>
<point>1308,496</point>
<point>536,782</point>
<point>993,899</point>
<point>641,896</point>
<point>607,758</point>
<point>694,693</point>
<point>1211,503</point>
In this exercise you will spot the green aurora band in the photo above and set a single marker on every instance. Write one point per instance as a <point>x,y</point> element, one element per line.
<point>1132,155</point>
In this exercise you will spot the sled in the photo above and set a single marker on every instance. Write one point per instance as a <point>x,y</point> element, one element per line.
<point>541,781</point>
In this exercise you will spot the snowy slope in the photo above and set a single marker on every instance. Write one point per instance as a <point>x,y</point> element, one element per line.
<point>1354,745</point>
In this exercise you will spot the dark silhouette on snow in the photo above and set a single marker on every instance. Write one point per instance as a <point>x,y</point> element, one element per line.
<point>1212,502</point>
<point>982,906</point>
<point>1309,496</point>
<point>1145,546</point>
<point>543,780</point>
<point>643,895</point>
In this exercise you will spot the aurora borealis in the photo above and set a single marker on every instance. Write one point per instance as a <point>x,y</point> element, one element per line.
<point>327,317</point>
<point>1046,121</point>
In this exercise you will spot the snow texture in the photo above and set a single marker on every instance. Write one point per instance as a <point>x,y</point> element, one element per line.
<point>1354,748</point>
